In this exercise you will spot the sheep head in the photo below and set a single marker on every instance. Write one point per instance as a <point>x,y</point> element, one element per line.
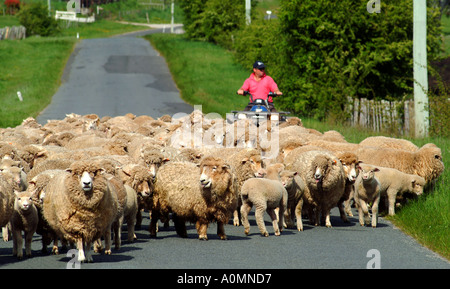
<point>350,164</point>
<point>254,163</point>
<point>85,173</point>
<point>139,178</point>
<point>367,175</point>
<point>287,178</point>
<point>431,164</point>
<point>24,200</point>
<point>417,184</point>
<point>215,174</point>
<point>320,167</point>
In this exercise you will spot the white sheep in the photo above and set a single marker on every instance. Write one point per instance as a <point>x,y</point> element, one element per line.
<point>201,195</point>
<point>24,218</point>
<point>6,205</point>
<point>324,180</point>
<point>265,195</point>
<point>295,188</point>
<point>80,207</point>
<point>367,190</point>
<point>394,183</point>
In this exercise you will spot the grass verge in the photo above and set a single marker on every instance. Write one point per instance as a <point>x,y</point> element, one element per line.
<point>34,67</point>
<point>206,74</point>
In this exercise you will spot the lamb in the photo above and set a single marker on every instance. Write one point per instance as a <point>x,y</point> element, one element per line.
<point>247,164</point>
<point>425,162</point>
<point>266,195</point>
<point>295,188</point>
<point>367,189</point>
<point>394,183</point>
<point>80,207</point>
<point>6,204</point>
<point>38,185</point>
<point>24,218</point>
<point>324,180</point>
<point>201,195</point>
<point>350,164</point>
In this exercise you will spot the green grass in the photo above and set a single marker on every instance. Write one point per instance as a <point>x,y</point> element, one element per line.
<point>34,67</point>
<point>207,75</point>
<point>446,34</point>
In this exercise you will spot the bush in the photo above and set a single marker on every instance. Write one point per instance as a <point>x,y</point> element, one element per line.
<point>213,20</point>
<point>35,18</point>
<point>326,51</point>
<point>12,5</point>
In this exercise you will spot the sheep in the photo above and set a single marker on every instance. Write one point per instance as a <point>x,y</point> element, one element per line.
<point>6,205</point>
<point>139,180</point>
<point>80,207</point>
<point>425,162</point>
<point>201,194</point>
<point>295,188</point>
<point>247,163</point>
<point>324,180</point>
<point>389,142</point>
<point>38,185</point>
<point>266,195</point>
<point>394,183</point>
<point>367,189</point>
<point>350,164</point>
<point>24,218</point>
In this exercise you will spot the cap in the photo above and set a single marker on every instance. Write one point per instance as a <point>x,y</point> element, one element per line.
<point>259,65</point>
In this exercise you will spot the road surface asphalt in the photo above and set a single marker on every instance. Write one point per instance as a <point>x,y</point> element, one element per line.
<point>115,76</point>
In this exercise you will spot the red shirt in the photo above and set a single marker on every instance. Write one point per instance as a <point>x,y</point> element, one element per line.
<point>260,89</point>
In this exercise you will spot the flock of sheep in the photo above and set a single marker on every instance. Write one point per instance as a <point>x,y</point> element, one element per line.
<point>78,180</point>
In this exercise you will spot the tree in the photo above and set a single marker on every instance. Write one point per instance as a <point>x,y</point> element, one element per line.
<point>35,18</point>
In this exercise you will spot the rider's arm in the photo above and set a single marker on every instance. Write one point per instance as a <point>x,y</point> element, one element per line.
<point>240,91</point>
<point>278,92</point>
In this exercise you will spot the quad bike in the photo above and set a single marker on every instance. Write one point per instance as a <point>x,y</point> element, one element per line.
<point>260,111</point>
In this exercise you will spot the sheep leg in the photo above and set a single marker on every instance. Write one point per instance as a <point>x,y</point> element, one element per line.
<point>81,256</point>
<point>376,202</point>
<point>88,251</point>
<point>55,250</point>
<point>275,224</point>
<point>221,231</point>
<point>180,226</point>
<point>363,212</point>
<point>342,212</point>
<point>107,236</point>
<point>236,214</point>
<point>28,240</point>
<point>391,203</point>
<point>131,220</point>
<point>202,228</point>
<point>245,209</point>
<point>17,244</point>
<point>298,215</point>
<point>259,215</point>
<point>153,224</point>
<point>326,213</point>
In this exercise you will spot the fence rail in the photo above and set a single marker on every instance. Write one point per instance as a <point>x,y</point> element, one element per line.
<point>14,32</point>
<point>382,115</point>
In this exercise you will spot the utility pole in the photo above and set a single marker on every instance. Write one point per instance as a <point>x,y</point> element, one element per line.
<point>172,11</point>
<point>49,9</point>
<point>421,113</point>
<point>248,5</point>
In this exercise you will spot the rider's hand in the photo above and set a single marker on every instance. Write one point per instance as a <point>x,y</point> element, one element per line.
<point>240,92</point>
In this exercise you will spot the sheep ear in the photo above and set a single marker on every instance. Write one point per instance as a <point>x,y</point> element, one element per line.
<point>16,192</point>
<point>166,160</point>
<point>69,170</point>
<point>243,161</point>
<point>413,182</point>
<point>376,169</point>
<point>295,173</point>
<point>226,167</point>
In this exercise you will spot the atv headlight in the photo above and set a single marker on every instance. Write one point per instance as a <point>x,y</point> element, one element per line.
<point>242,116</point>
<point>274,117</point>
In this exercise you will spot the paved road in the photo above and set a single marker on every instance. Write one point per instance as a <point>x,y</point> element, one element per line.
<point>116,76</point>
